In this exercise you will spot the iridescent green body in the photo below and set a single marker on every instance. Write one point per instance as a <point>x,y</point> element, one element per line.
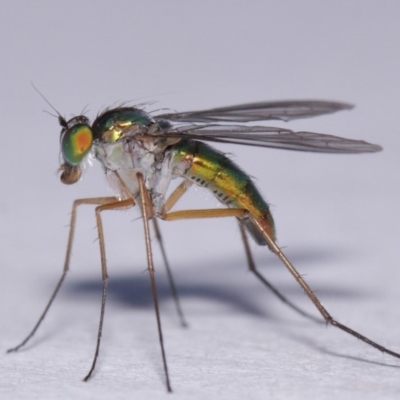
<point>210,168</point>
<point>129,141</point>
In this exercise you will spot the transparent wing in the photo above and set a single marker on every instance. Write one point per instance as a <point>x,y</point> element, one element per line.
<point>264,136</point>
<point>277,110</point>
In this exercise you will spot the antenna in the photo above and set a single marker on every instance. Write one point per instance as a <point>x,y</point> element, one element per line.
<point>61,119</point>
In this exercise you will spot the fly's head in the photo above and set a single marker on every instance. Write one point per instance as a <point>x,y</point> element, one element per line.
<point>76,140</point>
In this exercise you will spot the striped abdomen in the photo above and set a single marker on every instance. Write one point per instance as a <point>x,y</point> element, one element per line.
<point>208,167</point>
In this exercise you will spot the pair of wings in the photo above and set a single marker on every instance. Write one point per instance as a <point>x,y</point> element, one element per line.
<point>209,125</point>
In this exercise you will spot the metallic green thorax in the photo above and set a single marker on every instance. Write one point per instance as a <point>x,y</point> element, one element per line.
<point>210,168</point>
<point>111,125</point>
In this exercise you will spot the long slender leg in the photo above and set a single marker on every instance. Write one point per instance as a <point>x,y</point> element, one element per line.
<point>253,269</point>
<point>328,318</point>
<point>78,202</point>
<point>169,273</point>
<point>147,211</point>
<point>204,213</point>
<point>230,212</point>
<point>215,213</point>
<point>177,194</point>
<point>172,200</point>
<point>169,203</point>
<point>110,206</point>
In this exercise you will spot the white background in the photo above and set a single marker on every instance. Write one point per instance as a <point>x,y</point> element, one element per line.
<point>337,215</point>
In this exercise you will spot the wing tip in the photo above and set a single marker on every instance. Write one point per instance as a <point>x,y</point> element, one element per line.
<point>374,148</point>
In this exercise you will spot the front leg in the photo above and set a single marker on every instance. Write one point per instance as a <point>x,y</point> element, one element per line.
<point>76,204</point>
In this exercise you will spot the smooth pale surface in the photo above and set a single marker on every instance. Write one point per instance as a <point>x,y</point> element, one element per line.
<point>337,216</point>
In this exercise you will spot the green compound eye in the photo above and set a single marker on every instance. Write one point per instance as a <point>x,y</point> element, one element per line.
<point>76,142</point>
